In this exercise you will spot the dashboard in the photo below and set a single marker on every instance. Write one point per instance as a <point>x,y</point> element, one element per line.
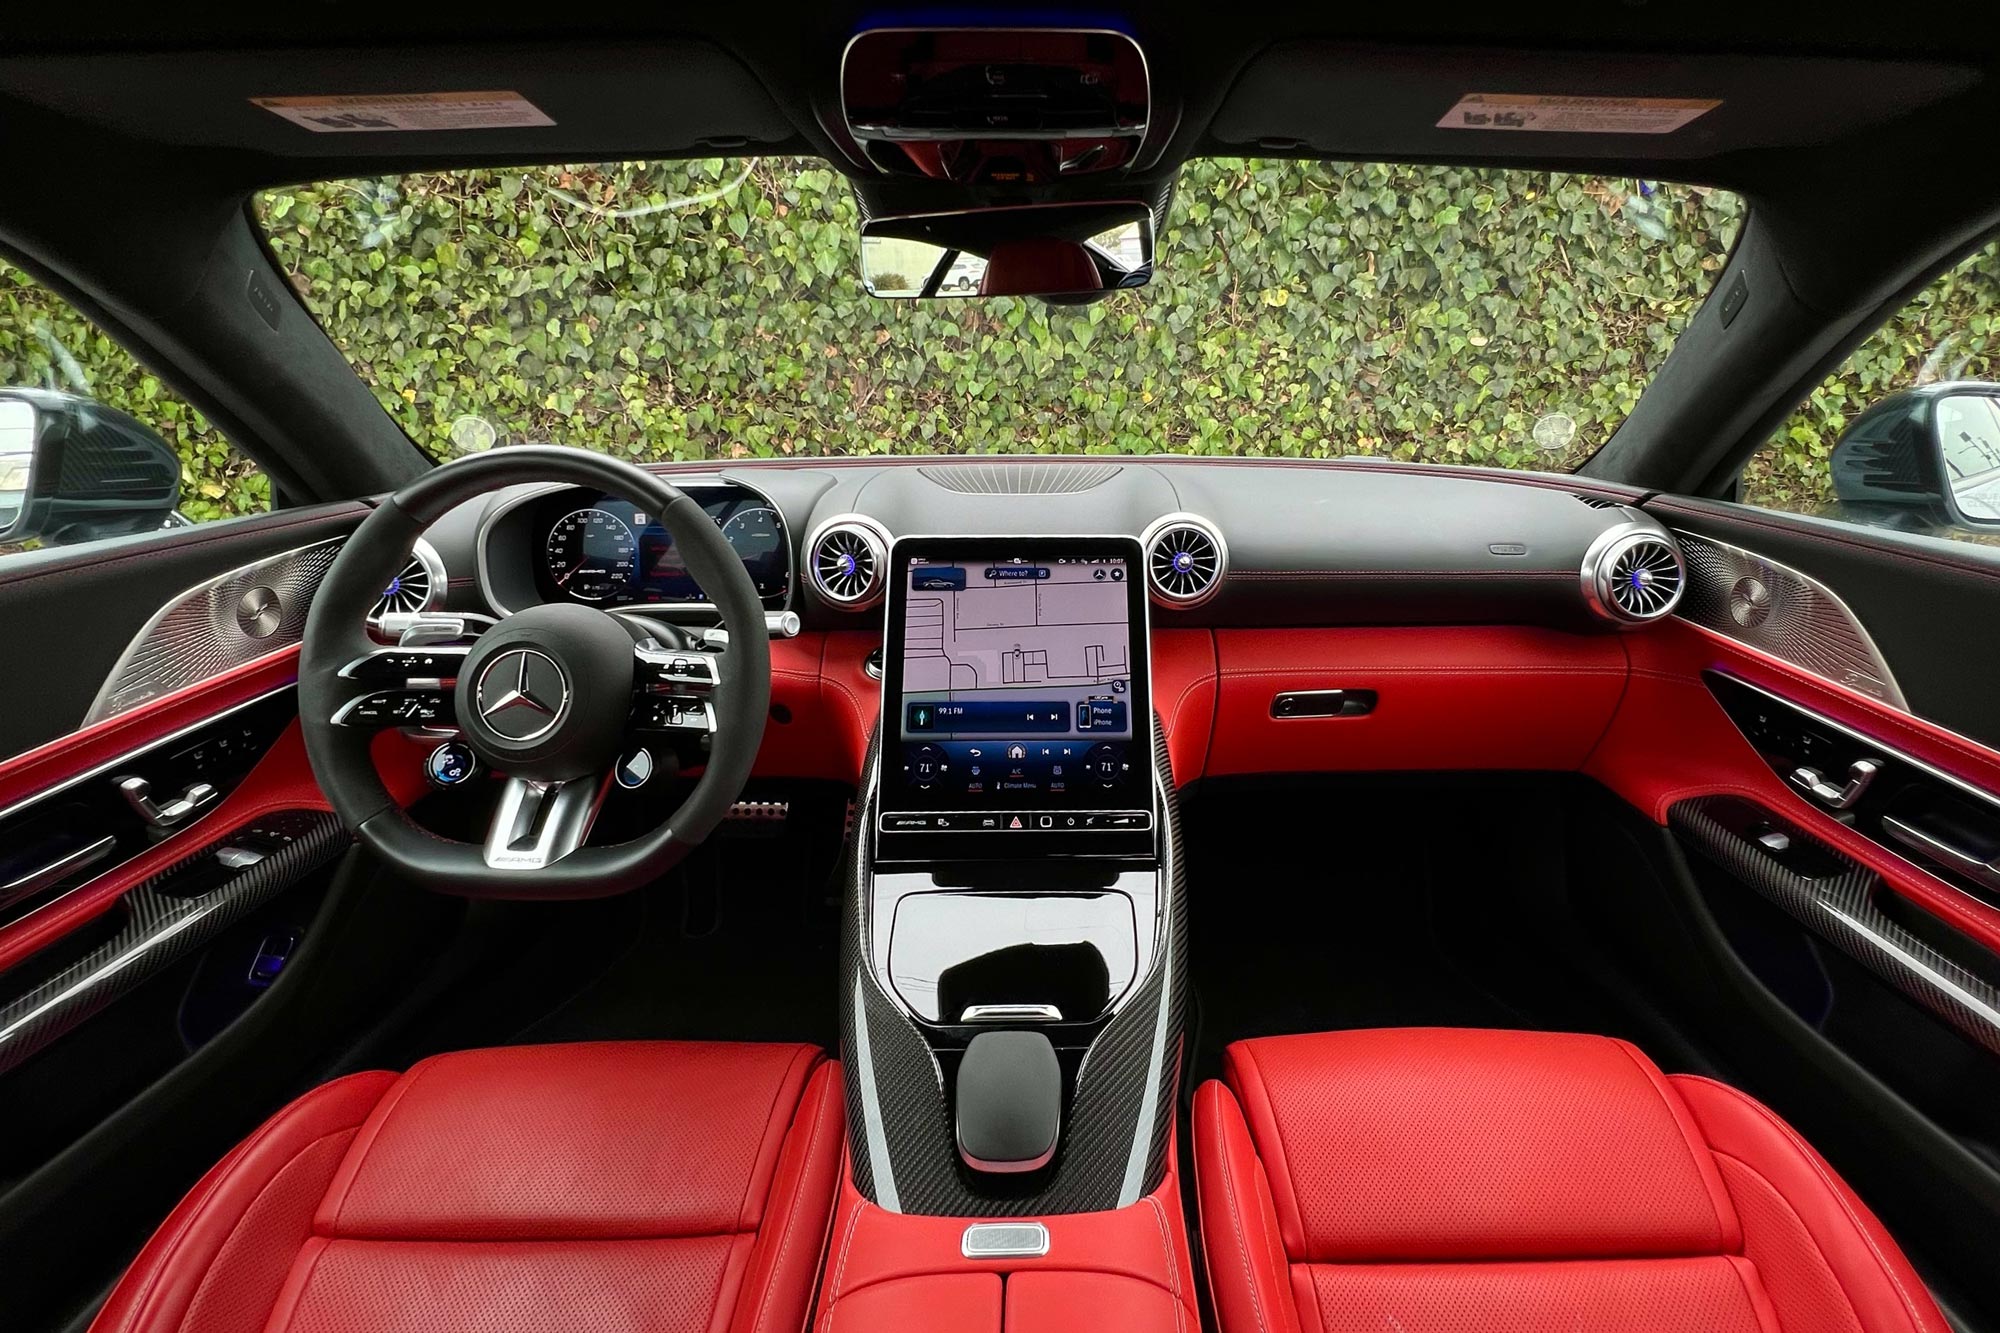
<point>1222,543</point>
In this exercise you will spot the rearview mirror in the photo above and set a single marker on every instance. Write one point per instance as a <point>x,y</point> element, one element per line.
<point>1063,252</point>
<point>73,470</point>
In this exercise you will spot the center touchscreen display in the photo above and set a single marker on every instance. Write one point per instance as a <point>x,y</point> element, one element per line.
<point>1016,688</point>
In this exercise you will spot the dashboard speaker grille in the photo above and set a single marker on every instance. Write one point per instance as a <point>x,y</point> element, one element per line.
<point>1185,560</point>
<point>1020,478</point>
<point>847,558</point>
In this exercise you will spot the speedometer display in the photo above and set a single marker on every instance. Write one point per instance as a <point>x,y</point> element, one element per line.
<point>607,551</point>
<point>592,555</point>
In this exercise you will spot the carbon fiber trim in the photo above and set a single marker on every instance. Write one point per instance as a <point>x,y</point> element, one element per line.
<point>1841,910</point>
<point>1777,610</point>
<point>237,618</point>
<point>160,930</point>
<point>1114,1144</point>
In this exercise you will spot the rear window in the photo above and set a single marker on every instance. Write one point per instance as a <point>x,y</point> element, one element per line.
<point>714,310</point>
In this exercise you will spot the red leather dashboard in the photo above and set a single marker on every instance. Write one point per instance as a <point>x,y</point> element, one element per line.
<point>1629,710</point>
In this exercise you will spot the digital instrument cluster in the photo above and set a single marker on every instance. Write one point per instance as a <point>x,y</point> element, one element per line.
<point>605,551</point>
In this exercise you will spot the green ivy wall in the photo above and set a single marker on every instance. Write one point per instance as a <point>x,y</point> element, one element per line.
<point>712,310</point>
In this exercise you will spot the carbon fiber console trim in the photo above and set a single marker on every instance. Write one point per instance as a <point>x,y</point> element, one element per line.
<point>160,930</point>
<point>1779,611</point>
<point>1114,1144</point>
<point>1842,910</point>
<point>216,626</point>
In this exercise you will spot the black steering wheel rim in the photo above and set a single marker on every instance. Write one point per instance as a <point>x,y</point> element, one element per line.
<point>336,634</point>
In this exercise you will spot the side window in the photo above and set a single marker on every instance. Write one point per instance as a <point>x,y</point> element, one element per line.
<point>1906,434</point>
<point>94,445</point>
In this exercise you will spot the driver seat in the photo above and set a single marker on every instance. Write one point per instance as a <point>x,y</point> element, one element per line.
<point>601,1186</point>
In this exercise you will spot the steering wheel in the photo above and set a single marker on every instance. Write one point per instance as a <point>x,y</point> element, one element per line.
<point>548,698</point>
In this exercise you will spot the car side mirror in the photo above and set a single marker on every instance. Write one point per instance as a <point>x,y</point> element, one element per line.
<point>73,470</point>
<point>1923,459</point>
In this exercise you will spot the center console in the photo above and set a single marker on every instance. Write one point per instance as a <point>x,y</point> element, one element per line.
<point>1014,952</point>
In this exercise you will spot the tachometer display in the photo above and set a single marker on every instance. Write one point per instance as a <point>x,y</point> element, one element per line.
<point>592,555</point>
<point>758,535</point>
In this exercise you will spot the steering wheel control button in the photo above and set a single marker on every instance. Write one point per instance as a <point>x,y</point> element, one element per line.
<point>398,708</point>
<point>634,769</point>
<point>680,673</point>
<point>451,764</point>
<point>394,666</point>
<point>522,694</point>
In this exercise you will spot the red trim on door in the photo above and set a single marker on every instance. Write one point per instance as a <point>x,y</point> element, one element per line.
<point>282,780</point>
<point>1671,740</point>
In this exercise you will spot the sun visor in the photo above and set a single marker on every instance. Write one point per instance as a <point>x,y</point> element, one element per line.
<point>458,103</point>
<point>1358,101</point>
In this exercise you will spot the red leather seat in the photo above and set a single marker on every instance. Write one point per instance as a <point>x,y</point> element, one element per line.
<point>1449,1181</point>
<point>606,1186</point>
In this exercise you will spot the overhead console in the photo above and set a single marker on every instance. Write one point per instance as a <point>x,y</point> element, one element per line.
<point>1007,106</point>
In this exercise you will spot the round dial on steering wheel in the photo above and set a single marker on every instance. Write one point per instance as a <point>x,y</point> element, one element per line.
<point>548,697</point>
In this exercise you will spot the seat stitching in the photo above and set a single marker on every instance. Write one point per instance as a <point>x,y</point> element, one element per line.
<point>1655,1081</point>
<point>1173,1272</point>
<point>770,1114</point>
<point>1737,1263</point>
<point>1833,1187</point>
<point>387,1106</point>
<point>791,1214</point>
<point>840,1272</point>
<point>228,1164</point>
<point>266,1189</point>
<point>1235,1221</point>
<point>291,1315</point>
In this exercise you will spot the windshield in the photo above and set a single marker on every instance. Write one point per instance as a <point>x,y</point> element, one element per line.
<point>714,310</point>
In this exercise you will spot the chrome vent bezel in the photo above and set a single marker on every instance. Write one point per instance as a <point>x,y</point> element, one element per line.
<point>425,569</point>
<point>1609,585</point>
<point>1164,540</point>
<point>860,538</point>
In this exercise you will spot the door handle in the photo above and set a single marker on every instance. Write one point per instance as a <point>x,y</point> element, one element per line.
<point>24,886</point>
<point>1859,774</point>
<point>1964,862</point>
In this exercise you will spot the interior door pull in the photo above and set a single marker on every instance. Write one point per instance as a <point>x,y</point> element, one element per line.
<point>1859,774</point>
<point>1964,862</point>
<point>23,886</point>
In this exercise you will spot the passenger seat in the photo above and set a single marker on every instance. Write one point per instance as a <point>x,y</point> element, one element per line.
<point>1452,1181</point>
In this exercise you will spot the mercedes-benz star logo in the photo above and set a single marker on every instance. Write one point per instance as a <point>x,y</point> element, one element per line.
<point>522,694</point>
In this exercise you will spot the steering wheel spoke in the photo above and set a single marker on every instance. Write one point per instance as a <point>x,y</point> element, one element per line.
<point>537,824</point>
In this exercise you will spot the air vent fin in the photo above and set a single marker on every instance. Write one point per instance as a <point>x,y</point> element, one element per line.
<point>848,558</point>
<point>419,587</point>
<point>1633,575</point>
<point>1186,558</point>
<point>1598,501</point>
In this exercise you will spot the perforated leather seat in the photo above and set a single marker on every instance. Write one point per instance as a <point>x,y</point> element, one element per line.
<point>602,1187</point>
<point>1451,1181</point>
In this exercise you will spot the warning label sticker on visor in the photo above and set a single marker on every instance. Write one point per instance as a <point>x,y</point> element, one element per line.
<point>1574,115</point>
<point>365,113</point>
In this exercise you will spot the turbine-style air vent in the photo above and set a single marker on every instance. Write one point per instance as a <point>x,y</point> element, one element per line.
<point>848,557</point>
<point>419,587</point>
<point>1185,560</point>
<point>1633,575</point>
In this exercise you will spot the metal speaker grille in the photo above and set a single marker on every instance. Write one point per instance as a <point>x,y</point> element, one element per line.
<point>214,628</point>
<point>1777,610</point>
<point>1020,478</point>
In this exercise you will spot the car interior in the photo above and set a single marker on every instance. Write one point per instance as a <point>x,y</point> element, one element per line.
<point>881,883</point>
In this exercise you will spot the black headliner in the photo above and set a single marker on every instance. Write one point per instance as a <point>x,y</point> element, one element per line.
<point>1859,138</point>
